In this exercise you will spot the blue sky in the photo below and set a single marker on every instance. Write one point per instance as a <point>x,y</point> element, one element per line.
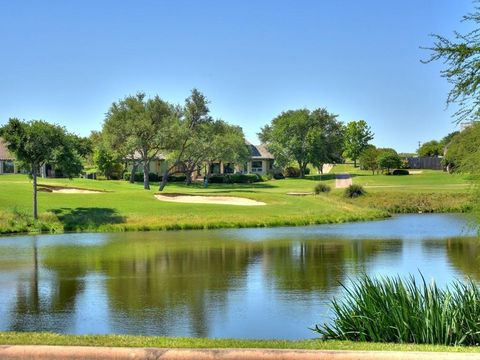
<point>67,61</point>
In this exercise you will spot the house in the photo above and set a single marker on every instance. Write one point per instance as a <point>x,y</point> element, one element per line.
<point>260,162</point>
<point>8,163</point>
<point>7,160</point>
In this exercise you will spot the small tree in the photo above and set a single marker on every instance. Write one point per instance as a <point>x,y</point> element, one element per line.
<point>36,143</point>
<point>389,160</point>
<point>430,148</point>
<point>357,136</point>
<point>369,159</point>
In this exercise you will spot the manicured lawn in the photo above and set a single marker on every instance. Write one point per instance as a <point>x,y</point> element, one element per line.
<point>128,207</point>
<point>125,206</point>
<point>17,338</point>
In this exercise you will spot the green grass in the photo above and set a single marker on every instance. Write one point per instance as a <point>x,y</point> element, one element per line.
<point>393,310</point>
<point>127,207</point>
<point>27,338</point>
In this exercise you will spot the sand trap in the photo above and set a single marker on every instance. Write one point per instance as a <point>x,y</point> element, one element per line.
<point>415,172</point>
<point>66,190</point>
<point>299,193</point>
<point>199,199</point>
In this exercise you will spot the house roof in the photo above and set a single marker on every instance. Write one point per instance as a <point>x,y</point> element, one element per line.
<point>259,151</point>
<point>4,153</point>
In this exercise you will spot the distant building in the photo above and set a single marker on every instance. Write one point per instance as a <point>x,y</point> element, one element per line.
<point>7,160</point>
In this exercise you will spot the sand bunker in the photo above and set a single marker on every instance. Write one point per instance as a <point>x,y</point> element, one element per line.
<point>199,199</point>
<point>66,190</point>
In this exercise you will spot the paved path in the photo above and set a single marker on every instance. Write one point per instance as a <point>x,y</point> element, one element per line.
<point>41,352</point>
<point>343,181</point>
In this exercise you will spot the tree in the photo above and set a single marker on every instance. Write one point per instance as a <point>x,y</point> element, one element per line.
<point>463,151</point>
<point>430,148</point>
<point>36,143</point>
<point>389,160</point>
<point>357,136</point>
<point>186,131</point>
<point>369,159</point>
<point>462,59</point>
<point>138,127</point>
<point>303,136</point>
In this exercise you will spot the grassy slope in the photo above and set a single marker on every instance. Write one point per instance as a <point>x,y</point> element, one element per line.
<point>14,338</point>
<point>128,207</point>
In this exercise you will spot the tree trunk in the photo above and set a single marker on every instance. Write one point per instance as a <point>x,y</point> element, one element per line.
<point>354,163</point>
<point>134,171</point>
<point>146,172</point>
<point>302,170</point>
<point>164,180</point>
<point>34,174</point>
<point>188,174</point>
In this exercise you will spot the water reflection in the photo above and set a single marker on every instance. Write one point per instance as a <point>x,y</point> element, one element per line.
<point>203,283</point>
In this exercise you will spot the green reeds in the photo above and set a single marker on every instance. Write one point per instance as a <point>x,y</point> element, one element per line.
<point>406,311</point>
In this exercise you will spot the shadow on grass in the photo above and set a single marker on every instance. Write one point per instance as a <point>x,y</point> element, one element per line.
<point>87,218</point>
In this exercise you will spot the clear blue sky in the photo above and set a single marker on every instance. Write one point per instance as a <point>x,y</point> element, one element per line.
<point>67,61</point>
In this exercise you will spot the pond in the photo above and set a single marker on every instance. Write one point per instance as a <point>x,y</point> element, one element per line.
<point>233,283</point>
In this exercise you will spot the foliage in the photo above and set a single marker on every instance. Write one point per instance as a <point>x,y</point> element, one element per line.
<point>304,136</point>
<point>461,57</point>
<point>321,188</point>
<point>357,136</point>
<point>137,129</point>
<point>463,152</point>
<point>400,172</point>
<point>430,148</point>
<point>107,163</point>
<point>354,190</point>
<point>235,179</point>
<point>405,311</point>
<point>369,159</point>
<point>389,160</point>
<point>292,171</point>
<point>36,143</point>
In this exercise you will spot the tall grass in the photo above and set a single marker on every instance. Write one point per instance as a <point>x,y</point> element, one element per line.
<point>406,311</point>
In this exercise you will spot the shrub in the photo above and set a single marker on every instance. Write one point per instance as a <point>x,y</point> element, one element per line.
<point>292,171</point>
<point>138,177</point>
<point>243,178</point>
<point>175,178</point>
<point>321,188</point>
<point>216,179</point>
<point>400,172</point>
<point>354,191</point>
<point>278,176</point>
<point>406,311</point>
<point>307,171</point>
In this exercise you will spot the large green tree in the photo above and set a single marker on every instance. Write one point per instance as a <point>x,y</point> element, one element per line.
<point>186,132</point>
<point>139,127</point>
<point>430,148</point>
<point>357,136</point>
<point>463,151</point>
<point>36,143</point>
<point>369,159</point>
<point>304,136</point>
<point>461,57</point>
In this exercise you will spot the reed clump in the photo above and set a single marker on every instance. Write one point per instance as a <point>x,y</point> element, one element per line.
<point>393,310</point>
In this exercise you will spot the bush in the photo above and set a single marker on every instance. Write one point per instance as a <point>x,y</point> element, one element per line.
<point>321,188</point>
<point>307,171</point>
<point>354,191</point>
<point>397,311</point>
<point>278,176</point>
<point>292,171</point>
<point>138,177</point>
<point>243,178</point>
<point>175,178</point>
<point>400,172</point>
<point>216,179</point>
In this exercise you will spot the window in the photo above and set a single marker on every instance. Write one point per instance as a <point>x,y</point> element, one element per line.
<point>228,168</point>
<point>8,167</point>
<point>257,166</point>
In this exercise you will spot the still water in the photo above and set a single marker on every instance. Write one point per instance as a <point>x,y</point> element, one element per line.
<point>244,283</point>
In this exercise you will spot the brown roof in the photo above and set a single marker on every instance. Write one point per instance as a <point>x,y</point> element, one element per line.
<point>4,153</point>
<point>260,152</point>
